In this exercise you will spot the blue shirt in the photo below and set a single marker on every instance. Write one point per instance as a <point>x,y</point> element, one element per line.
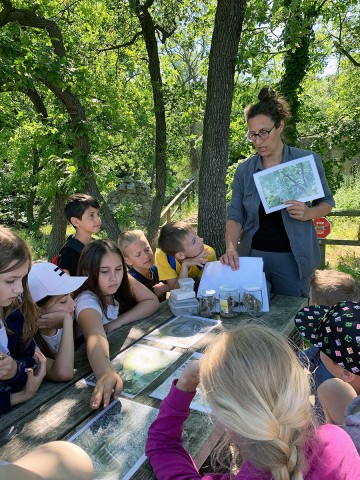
<point>244,209</point>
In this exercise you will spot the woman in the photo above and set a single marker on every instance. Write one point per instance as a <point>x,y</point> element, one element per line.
<point>285,239</point>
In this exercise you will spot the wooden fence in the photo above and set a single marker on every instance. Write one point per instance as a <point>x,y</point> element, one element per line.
<point>324,241</point>
<point>177,202</point>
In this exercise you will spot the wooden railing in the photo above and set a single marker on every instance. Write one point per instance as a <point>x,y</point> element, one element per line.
<point>177,202</point>
<point>324,241</point>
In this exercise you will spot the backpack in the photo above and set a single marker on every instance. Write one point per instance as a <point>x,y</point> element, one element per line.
<point>70,243</point>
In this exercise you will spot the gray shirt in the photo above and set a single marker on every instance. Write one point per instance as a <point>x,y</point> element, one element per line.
<point>244,209</point>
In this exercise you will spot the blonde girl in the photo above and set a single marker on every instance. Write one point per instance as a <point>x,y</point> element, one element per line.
<point>18,325</point>
<point>109,299</point>
<point>260,394</point>
<point>139,258</point>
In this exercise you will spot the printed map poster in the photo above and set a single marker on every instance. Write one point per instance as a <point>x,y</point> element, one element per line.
<point>115,438</point>
<point>138,366</point>
<point>198,403</point>
<point>183,331</point>
<point>295,180</point>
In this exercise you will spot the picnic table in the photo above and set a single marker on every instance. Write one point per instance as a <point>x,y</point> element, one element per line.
<point>59,409</point>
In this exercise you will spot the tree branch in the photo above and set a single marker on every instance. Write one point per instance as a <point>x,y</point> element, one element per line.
<point>122,45</point>
<point>347,54</point>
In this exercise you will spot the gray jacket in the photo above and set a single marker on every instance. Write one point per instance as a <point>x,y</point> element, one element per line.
<point>244,209</point>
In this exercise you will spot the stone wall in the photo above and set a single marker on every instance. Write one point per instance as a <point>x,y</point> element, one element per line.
<point>131,203</point>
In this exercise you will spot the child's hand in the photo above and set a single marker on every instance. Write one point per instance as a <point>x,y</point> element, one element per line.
<point>35,378</point>
<point>199,260</point>
<point>160,288</point>
<point>8,367</point>
<point>104,387</point>
<point>53,320</point>
<point>189,379</point>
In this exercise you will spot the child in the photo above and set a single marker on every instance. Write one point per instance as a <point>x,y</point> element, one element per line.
<point>18,358</point>
<point>336,334</point>
<point>50,288</point>
<point>51,461</point>
<point>139,258</point>
<point>181,254</point>
<point>82,211</point>
<point>327,287</point>
<point>109,299</point>
<point>259,393</point>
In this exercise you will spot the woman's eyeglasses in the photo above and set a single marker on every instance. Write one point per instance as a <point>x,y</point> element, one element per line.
<point>263,134</point>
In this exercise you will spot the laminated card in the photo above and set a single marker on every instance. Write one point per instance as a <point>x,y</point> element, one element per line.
<point>115,438</point>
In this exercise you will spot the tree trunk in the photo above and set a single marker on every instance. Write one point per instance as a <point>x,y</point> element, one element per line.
<point>59,224</point>
<point>220,86</point>
<point>296,63</point>
<point>148,31</point>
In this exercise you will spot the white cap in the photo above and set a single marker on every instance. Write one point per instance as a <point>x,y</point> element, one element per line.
<point>46,279</point>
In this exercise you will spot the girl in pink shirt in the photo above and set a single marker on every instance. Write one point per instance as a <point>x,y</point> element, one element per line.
<point>260,393</point>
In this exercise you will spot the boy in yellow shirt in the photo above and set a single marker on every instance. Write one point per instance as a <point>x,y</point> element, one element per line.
<point>181,253</point>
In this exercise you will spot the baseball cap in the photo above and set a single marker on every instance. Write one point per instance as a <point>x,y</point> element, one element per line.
<point>335,331</point>
<point>46,279</point>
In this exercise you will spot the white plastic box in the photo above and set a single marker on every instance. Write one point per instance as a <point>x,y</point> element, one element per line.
<point>184,307</point>
<point>186,284</point>
<point>178,294</point>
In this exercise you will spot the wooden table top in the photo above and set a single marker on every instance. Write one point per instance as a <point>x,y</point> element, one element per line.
<point>58,409</point>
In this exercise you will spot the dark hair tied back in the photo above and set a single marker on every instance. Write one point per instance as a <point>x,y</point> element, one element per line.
<point>266,94</point>
<point>270,104</point>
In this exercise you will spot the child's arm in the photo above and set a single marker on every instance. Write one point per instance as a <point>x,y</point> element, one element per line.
<point>169,459</point>
<point>160,288</point>
<point>61,369</point>
<point>147,304</point>
<point>33,383</point>
<point>335,395</point>
<point>97,348</point>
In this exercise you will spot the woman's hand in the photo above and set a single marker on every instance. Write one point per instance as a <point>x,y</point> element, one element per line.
<point>231,258</point>
<point>8,367</point>
<point>104,387</point>
<point>298,210</point>
<point>189,379</point>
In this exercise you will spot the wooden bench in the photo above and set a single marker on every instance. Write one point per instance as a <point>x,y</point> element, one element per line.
<point>58,409</point>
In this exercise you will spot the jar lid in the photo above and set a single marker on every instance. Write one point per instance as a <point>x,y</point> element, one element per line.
<point>252,289</point>
<point>228,288</point>
<point>207,293</point>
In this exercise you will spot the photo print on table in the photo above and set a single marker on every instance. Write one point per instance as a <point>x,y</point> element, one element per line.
<point>115,438</point>
<point>198,403</point>
<point>183,331</point>
<point>138,366</point>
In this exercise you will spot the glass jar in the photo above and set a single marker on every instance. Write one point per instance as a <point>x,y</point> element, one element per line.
<point>253,301</point>
<point>229,300</point>
<point>207,302</point>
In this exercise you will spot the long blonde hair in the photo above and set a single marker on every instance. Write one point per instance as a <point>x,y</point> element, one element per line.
<point>14,249</point>
<point>259,392</point>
